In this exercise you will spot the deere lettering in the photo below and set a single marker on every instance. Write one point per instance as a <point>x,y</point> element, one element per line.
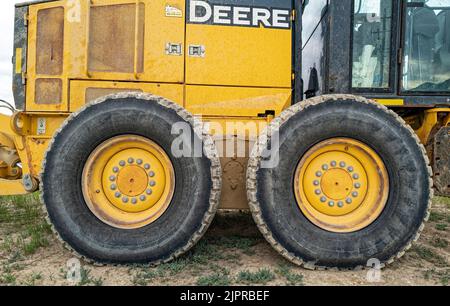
<point>203,12</point>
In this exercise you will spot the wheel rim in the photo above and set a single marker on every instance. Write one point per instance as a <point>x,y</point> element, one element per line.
<point>341,185</point>
<point>128,182</point>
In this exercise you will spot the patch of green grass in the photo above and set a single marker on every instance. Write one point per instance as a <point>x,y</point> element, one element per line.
<point>7,279</point>
<point>221,278</point>
<point>88,280</point>
<point>441,276</point>
<point>144,277</point>
<point>292,279</point>
<point>441,227</point>
<point>429,255</point>
<point>437,216</point>
<point>442,200</point>
<point>439,242</point>
<point>32,279</point>
<point>26,229</point>
<point>262,276</point>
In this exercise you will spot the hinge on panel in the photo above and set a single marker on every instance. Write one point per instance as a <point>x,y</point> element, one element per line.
<point>25,19</point>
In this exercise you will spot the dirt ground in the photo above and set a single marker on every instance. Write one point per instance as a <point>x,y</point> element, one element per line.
<point>232,253</point>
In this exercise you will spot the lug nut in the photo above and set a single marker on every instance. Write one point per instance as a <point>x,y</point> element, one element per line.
<point>356,176</point>
<point>333,163</point>
<point>133,201</point>
<point>142,198</point>
<point>125,199</point>
<point>112,178</point>
<point>122,163</point>
<point>151,174</point>
<point>147,166</point>
<point>118,194</point>
<point>323,199</point>
<point>149,192</point>
<point>354,194</point>
<point>139,161</point>
<point>349,201</point>
<point>340,204</point>
<point>115,169</point>
<point>316,183</point>
<point>130,160</point>
<point>318,192</point>
<point>331,204</point>
<point>357,185</point>
<point>350,169</point>
<point>318,174</point>
<point>325,167</point>
<point>342,164</point>
<point>152,183</point>
<point>113,187</point>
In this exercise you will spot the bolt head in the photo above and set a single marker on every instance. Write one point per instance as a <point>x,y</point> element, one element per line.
<point>133,201</point>
<point>318,174</point>
<point>151,174</point>
<point>350,169</point>
<point>342,164</point>
<point>318,192</point>
<point>130,160</point>
<point>349,201</point>
<point>116,169</point>
<point>125,200</point>
<point>331,204</point>
<point>357,185</point>
<point>333,163</point>
<point>118,195</point>
<point>122,163</point>
<point>323,199</point>
<point>143,198</point>
<point>147,166</point>
<point>112,178</point>
<point>316,183</point>
<point>340,204</point>
<point>113,187</point>
<point>354,194</point>
<point>149,192</point>
<point>325,167</point>
<point>152,183</point>
<point>356,176</point>
<point>139,161</point>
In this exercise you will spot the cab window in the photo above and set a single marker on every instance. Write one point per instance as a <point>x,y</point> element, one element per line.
<point>426,64</point>
<point>372,32</point>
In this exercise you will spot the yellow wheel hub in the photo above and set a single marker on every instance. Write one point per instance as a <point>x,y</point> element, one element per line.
<point>341,185</point>
<point>128,182</point>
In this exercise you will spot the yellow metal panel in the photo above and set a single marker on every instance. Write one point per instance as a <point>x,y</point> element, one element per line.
<point>19,52</point>
<point>32,62</point>
<point>14,187</point>
<point>391,102</point>
<point>159,31</point>
<point>78,90</point>
<point>236,101</point>
<point>240,56</point>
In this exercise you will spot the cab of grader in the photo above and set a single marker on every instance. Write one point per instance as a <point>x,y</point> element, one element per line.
<point>129,114</point>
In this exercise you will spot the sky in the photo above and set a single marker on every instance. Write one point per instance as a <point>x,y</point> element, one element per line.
<point>6,47</point>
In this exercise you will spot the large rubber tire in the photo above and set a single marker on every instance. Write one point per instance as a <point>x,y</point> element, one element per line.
<point>195,199</point>
<point>272,198</point>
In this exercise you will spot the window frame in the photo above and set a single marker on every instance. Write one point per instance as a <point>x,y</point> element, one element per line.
<point>401,90</point>
<point>393,63</point>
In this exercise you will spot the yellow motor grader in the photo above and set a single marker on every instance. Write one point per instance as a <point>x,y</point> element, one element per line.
<point>137,120</point>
